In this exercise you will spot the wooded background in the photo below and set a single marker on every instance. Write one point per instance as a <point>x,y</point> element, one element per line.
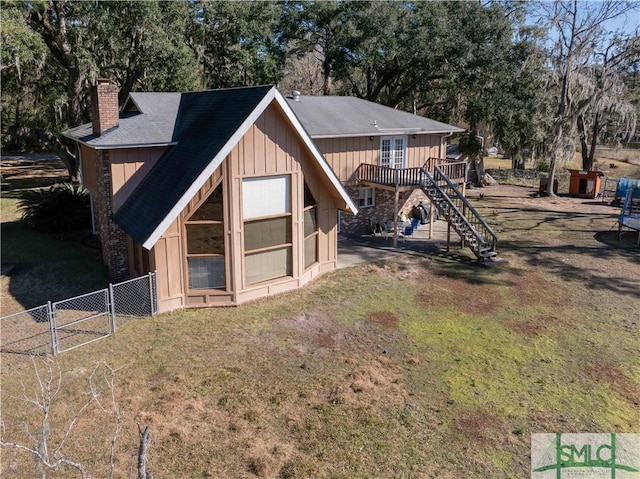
<point>539,77</point>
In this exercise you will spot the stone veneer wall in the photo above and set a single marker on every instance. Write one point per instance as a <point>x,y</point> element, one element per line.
<point>112,238</point>
<point>363,222</point>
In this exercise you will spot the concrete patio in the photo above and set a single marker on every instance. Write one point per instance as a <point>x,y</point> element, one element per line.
<point>371,248</point>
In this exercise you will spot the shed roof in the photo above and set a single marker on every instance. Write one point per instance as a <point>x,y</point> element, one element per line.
<point>147,119</point>
<point>344,116</point>
<point>208,126</point>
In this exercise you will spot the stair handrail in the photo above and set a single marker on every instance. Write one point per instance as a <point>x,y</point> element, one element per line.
<point>466,205</point>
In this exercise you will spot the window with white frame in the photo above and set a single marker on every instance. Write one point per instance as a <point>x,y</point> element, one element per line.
<point>266,207</point>
<point>366,197</point>
<point>392,151</point>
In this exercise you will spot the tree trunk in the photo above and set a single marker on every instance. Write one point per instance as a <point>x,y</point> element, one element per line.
<point>594,143</point>
<point>145,440</point>
<point>584,149</point>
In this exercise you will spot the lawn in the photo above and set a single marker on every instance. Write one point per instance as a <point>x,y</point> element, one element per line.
<point>419,366</point>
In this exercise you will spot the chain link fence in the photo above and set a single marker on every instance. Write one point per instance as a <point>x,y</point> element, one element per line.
<point>27,332</point>
<point>81,320</point>
<point>68,324</point>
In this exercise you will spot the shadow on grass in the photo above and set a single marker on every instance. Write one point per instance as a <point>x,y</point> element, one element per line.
<point>47,268</point>
<point>557,261</point>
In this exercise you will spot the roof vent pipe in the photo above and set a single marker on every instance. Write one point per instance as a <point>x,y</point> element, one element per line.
<point>295,94</point>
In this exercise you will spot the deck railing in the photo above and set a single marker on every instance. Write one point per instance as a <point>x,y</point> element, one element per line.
<point>384,175</point>
<point>458,202</point>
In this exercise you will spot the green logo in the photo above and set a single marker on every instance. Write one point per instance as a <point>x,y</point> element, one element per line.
<point>615,456</point>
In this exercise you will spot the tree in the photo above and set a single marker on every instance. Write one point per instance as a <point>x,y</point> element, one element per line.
<point>608,108</point>
<point>139,45</point>
<point>30,98</point>
<point>234,42</point>
<point>42,440</point>
<point>577,31</point>
<point>316,28</point>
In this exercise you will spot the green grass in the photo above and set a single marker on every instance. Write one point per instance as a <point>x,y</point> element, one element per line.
<point>422,366</point>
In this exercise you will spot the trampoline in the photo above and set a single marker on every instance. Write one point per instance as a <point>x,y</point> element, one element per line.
<point>630,213</point>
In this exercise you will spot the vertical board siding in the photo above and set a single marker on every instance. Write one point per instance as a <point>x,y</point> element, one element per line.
<point>270,147</point>
<point>167,253</point>
<point>88,162</point>
<point>128,167</point>
<point>345,155</point>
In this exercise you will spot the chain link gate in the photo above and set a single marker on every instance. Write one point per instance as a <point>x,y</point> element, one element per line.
<point>81,320</point>
<point>68,324</point>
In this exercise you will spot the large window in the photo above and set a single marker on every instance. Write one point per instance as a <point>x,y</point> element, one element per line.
<point>266,208</point>
<point>205,244</point>
<point>310,228</point>
<point>392,151</point>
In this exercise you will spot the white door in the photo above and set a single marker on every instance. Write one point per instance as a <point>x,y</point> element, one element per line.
<point>392,151</point>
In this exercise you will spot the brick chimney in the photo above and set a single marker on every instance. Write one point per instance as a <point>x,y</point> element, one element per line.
<point>104,106</point>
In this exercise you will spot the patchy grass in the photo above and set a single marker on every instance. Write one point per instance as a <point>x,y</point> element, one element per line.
<point>421,366</point>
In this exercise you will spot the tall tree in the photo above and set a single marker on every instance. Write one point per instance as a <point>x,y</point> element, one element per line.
<point>317,28</point>
<point>577,31</point>
<point>139,45</point>
<point>235,42</point>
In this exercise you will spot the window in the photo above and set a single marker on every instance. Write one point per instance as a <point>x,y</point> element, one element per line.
<point>267,228</point>
<point>205,244</point>
<point>392,151</point>
<point>310,228</point>
<point>366,197</point>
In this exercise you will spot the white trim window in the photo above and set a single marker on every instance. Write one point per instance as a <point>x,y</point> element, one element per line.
<point>392,151</point>
<point>366,197</point>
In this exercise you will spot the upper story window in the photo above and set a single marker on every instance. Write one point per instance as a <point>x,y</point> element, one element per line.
<point>392,151</point>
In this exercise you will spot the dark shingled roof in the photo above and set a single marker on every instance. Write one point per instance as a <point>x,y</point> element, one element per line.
<point>205,123</point>
<point>339,116</point>
<point>151,123</point>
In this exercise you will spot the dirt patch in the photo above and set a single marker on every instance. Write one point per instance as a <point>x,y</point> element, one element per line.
<point>536,288</point>
<point>478,425</point>
<point>619,382</point>
<point>384,318</point>
<point>467,297</point>
<point>533,327</point>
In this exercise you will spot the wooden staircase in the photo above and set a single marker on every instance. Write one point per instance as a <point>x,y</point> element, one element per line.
<point>456,209</point>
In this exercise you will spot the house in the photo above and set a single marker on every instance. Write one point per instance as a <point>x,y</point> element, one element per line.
<point>236,194</point>
<point>361,139</point>
<point>222,192</point>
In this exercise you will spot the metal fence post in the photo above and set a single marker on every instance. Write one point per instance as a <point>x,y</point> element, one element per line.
<point>52,329</point>
<point>152,295</point>
<point>112,305</point>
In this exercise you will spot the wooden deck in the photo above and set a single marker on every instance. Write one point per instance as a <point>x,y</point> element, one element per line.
<point>407,178</point>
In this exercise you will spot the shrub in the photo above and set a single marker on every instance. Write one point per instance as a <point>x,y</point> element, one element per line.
<point>544,166</point>
<point>60,208</point>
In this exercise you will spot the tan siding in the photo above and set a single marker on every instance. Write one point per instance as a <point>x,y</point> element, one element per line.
<point>270,147</point>
<point>167,254</point>
<point>344,155</point>
<point>88,165</point>
<point>128,167</point>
